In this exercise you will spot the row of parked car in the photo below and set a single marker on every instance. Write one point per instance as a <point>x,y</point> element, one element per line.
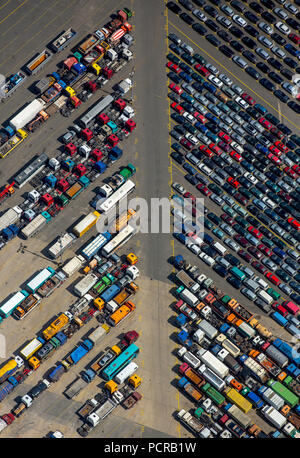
<point>238,41</point>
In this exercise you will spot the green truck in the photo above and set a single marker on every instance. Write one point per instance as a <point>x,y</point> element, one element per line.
<point>288,396</point>
<point>213,394</point>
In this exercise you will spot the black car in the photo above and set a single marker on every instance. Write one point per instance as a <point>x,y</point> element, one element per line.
<point>294,106</point>
<point>186,18</point>
<point>248,42</point>
<point>268,17</point>
<point>281,96</point>
<point>187,4</point>
<point>256,7</point>
<point>238,6</point>
<point>178,157</point>
<point>174,7</point>
<point>250,56</point>
<point>235,282</point>
<point>296,139</point>
<point>211,11</point>
<point>232,259</point>
<point>267,84</point>
<point>199,28</point>
<point>263,67</point>
<point>227,51</point>
<point>191,179</point>
<point>286,130</point>
<point>268,4</point>
<point>252,72</point>
<point>236,45</point>
<point>275,77</point>
<point>251,17</point>
<point>292,23</point>
<point>212,25</point>
<point>200,3</point>
<point>256,115</point>
<point>224,35</point>
<point>272,119</point>
<point>250,139</point>
<point>213,40</point>
<point>215,2</point>
<point>236,32</point>
<point>251,30</point>
<point>275,63</point>
<point>37,390</point>
<point>278,38</point>
<point>228,188</point>
<point>290,62</point>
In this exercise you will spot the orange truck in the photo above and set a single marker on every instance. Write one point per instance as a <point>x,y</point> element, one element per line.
<point>120,314</point>
<point>126,293</point>
<point>56,326</point>
<point>191,375</point>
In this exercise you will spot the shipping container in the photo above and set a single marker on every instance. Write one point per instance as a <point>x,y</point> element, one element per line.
<point>239,400</point>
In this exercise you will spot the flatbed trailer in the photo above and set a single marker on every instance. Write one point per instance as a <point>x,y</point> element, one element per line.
<point>49,286</point>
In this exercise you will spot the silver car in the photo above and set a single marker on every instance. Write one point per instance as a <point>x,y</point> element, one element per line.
<point>278,52</point>
<point>225,79</point>
<point>291,8</point>
<point>262,53</point>
<point>187,48</point>
<point>265,41</point>
<point>216,199</point>
<point>239,61</point>
<point>227,10</point>
<point>188,88</point>
<point>237,89</point>
<point>226,119</point>
<point>281,13</point>
<point>212,69</point>
<point>239,20</point>
<point>265,27</point>
<point>200,15</point>
<point>224,21</point>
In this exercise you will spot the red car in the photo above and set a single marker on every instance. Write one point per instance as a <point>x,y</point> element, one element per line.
<point>244,255</point>
<point>178,108</point>
<point>173,67</point>
<point>204,189</point>
<point>236,156</point>
<point>189,195</point>
<point>233,182</point>
<point>241,240</point>
<point>275,150</point>
<point>266,124</point>
<point>254,232</point>
<point>281,146</point>
<point>294,223</point>
<point>208,152</point>
<point>176,88</point>
<point>248,98</point>
<point>285,196</point>
<point>202,70</point>
<point>184,142</point>
<point>273,279</point>
<point>241,199</point>
<point>255,252</point>
<point>227,219</point>
<point>277,132</point>
<point>274,158</point>
<point>291,172</point>
<point>294,38</point>
<point>296,168</point>
<point>215,149</point>
<point>265,250</point>
<point>261,269</point>
<point>200,117</point>
<point>224,137</point>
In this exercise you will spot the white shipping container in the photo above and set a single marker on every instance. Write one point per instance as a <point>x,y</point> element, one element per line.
<point>37,223</point>
<point>189,297</point>
<point>231,348</point>
<point>274,417</point>
<point>10,217</point>
<point>191,359</point>
<point>73,265</point>
<point>85,284</point>
<point>273,399</point>
<point>40,278</point>
<point>239,416</point>
<point>212,377</point>
<point>27,114</point>
<point>62,243</point>
<point>256,369</point>
<point>208,329</point>
<point>34,345</point>
<point>9,305</point>
<point>130,369</point>
<point>214,364</point>
<point>97,334</point>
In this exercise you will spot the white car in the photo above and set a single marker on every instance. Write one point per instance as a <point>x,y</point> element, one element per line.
<point>291,8</point>
<point>207,259</point>
<point>232,244</point>
<point>187,48</point>
<point>281,13</point>
<point>205,169</point>
<point>199,15</point>
<point>279,52</point>
<point>250,177</point>
<point>212,69</point>
<point>283,28</point>
<point>265,27</point>
<point>242,102</point>
<point>179,188</point>
<point>215,81</point>
<point>195,249</point>
<point>237,147</point>
<point>189,117</point>
<point>239,20</point>
<point>191,138</point>
<point>225,79</point>
<point>269,202</point>
<point>216,199</point>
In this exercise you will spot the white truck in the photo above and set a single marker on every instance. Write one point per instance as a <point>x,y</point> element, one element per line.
<point>130,369</point>
<point>101,413</point>
<point>274,417</point>
<point>125,85</point>
<point>192,423</point>
<point>189,297</point>
<point>11,216</point>
<point>61,244</point>
<point>27,114</point>
<point>213,363</point>
<point>73,265</point>
<point>85,284</point>
<point>34,226</point>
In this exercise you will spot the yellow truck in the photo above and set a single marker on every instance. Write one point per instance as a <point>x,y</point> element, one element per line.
<point>86,224</point>
<point>236,398</point>
<point>13,142</point>
<point>55,326</point>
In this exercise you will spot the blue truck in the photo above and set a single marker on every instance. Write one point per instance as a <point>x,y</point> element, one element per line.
<point>110,293</point>
<point>56,373</point>
<point>5,388</point>
<point>287,350</point>
<point>10,232</point>
<point>279,318</point>
<point>80,351</point>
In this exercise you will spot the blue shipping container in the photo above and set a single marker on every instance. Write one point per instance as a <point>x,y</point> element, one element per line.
<point>279,318</point>
<point>256,400</point>
<point>5,388</point>
<point>79,353</point>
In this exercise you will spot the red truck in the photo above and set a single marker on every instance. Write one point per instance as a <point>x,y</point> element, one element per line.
<point>129,338</point>
<point>132,400</point>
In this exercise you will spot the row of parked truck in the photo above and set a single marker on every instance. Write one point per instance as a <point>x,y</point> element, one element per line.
<point>218,338</point>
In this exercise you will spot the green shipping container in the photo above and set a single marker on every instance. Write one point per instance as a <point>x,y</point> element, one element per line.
<point>95,287</point>
<point>213,394</point>
<point>111,277</point>
<point>125,173</point>
<point>106,281</point>
<point>290,398</point>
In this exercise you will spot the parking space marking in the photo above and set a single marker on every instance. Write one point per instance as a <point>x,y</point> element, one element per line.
<point>21,19</point>
<point>4,4</point>
<point>228,71</point>
<point>12,12</point>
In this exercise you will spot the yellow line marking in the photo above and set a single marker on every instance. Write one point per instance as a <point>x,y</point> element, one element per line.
<point>4,4</point>
<point>12,12</point>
